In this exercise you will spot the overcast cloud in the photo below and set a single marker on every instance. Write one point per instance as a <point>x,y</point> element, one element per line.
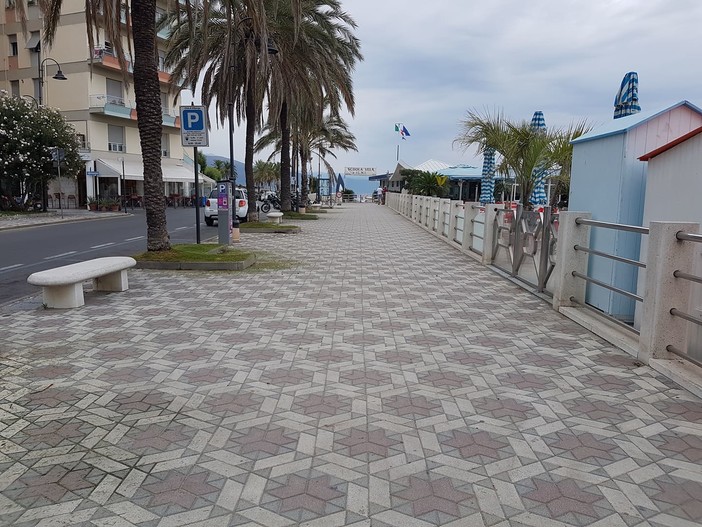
<point>426,63</point>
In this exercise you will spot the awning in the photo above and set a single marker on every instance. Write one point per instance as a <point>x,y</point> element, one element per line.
<point>134,170</point>
<point>33,41</point>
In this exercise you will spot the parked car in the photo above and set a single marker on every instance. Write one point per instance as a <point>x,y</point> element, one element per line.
<point>242,206</point>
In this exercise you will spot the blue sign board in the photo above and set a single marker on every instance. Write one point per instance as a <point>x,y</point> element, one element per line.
<point>193,126</point>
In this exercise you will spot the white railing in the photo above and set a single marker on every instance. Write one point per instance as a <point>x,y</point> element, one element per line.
<point>100,100</point>
<point>670,314</point>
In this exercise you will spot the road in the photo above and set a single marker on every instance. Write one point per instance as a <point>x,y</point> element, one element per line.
<point>27,250</point>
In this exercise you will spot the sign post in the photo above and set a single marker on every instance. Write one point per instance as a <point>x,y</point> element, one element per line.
<point>223,226</point>
<point>194,132</point>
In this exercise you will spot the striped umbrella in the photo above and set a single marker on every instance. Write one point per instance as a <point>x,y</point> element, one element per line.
<point>538,194</point>
<point>627,100</point>
<point>487,183</point>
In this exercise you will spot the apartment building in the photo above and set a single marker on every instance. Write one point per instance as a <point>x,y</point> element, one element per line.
<point>99,103</point>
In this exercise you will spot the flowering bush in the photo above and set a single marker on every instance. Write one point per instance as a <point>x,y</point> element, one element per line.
<point>28,136</point>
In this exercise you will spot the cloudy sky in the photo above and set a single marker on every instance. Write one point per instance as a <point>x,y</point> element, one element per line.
<point>426,63</point>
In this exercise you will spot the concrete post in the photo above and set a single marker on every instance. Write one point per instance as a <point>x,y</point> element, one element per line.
<point>662,291</point>
<point>468,225</point>
<point>454,208</point>
<point>489,236</point>
<point>570,234</point>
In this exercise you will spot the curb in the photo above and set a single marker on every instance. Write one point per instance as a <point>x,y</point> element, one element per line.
<point>296,230</point>
<point>72,220</point>
<point>198,266</point>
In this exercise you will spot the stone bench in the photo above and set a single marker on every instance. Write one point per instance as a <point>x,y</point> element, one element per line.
<point>63,286</point>
<point>275,217</point>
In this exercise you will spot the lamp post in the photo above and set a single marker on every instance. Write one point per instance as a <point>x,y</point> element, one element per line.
<point>123,183</point>
<point>59,76</point>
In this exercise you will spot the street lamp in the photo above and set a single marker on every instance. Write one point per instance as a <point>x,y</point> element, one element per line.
<point>59,76</point>
<point>123,184</point>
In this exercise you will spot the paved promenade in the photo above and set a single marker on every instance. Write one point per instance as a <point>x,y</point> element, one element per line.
<point>380,378</point>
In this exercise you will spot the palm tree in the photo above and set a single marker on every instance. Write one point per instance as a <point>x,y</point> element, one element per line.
<point>562,156</point>
<point>522,148</point>
<point>265,172</point>
<point>311,71</point>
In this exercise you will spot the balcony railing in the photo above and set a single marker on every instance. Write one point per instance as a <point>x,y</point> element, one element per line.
<point>115,147</point>
<point>111,105</point>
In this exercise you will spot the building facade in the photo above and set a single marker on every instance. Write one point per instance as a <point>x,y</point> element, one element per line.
<point>98,102</point>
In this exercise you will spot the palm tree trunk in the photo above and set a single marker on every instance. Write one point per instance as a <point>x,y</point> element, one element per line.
<point>149,119</point>
<point>284,158</point>
<point>249,155</point>
<point>303,184</point>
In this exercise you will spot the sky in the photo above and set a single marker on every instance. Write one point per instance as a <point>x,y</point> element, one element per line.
<point>427,63</point>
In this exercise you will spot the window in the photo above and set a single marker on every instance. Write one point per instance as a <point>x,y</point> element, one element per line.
<point>115,138</point>
<point>165,143</point>
<point>14,88</point>
<point>81,140</point>
<point>108,48</point>
<point>14,51</point>
<point>161,61</point>
<point>114,92</point>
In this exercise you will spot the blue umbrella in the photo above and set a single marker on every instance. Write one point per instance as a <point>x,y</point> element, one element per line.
<point>627,100</point>
<point>487,183</point>
<point>538,194</point>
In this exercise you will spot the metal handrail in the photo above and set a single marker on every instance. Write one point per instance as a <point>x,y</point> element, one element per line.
<point>686,276</point>
<point>686,316</point>
<point>605,315</point>
<point>683,355</point>
<point>610,256</point>
<point>609,225</point>
<point>478,222</point>
<point>473,206</point>
<point>476,236</point>
<point>687,236</point>
<point>607,286</point>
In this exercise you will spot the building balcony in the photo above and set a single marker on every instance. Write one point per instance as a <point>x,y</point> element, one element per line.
<point>107,58</point>
<point>112,106</point>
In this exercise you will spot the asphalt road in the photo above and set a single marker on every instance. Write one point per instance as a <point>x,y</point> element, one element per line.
<point>27,250</point>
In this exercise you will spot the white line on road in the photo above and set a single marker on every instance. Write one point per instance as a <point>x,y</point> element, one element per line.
<point>102,245</point>
<point>181,228</point>
<point>10,267</point>
<point>60,255</point>
<point>136,238</point>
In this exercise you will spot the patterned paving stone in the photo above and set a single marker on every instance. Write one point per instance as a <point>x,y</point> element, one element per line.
<point>365,384</point>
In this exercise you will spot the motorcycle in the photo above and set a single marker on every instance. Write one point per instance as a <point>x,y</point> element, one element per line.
<point>271,201</point>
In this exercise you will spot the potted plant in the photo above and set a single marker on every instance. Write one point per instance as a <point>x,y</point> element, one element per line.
<point>114,205</point>
<point>92,204</point>
<point>104,204</point>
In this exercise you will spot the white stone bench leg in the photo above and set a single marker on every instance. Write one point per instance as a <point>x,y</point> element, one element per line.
<point>63,296</point>
<point>112,282</point>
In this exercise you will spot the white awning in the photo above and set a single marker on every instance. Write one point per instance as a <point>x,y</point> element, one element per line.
<point>33,41</point>
<point>134,170</point>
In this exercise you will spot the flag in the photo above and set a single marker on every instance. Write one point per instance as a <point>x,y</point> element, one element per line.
<point>404,132</point>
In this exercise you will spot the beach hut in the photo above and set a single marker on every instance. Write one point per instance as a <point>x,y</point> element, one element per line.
<point>673,191</point>
<point>609,180</point>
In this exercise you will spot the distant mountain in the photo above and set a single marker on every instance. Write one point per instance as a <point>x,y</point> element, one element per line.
<point>238,166</point>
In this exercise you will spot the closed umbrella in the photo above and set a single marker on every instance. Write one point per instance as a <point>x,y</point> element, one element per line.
<point>538,194</point>
<point>627,100</point>
<point>487,182</point>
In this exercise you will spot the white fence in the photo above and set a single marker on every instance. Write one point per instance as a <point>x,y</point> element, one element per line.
<point>550,253</point>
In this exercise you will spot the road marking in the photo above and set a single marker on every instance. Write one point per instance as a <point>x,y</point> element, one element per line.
<point>102,245</point>
<point>10,267</point>
<point>136,238</point>
<point>181,228</point>
<point>60,255</point>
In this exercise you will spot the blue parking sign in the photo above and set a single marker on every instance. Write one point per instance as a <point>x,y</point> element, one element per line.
<point>193,126</point>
